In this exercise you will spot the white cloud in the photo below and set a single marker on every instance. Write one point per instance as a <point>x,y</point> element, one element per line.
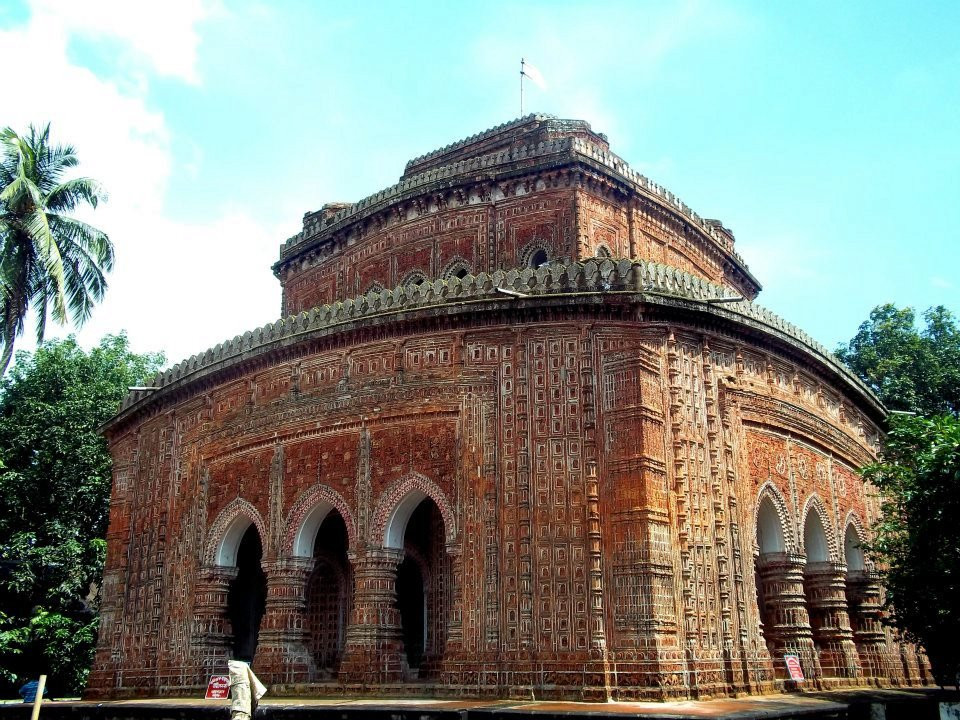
<point>161,34</point>
<point>119,140</point>
<point>942,283</point>
<point>187,287</point>
<point>177,287</point>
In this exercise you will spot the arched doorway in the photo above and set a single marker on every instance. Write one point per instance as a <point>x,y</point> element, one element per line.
<point>817,591</point>
<point>824,581</point>
<point>247,597</point>
<point>770,545</point>
<point>421,589</point>
<point>864,601</point>
<point>329,595</point>
<point>780,595</point>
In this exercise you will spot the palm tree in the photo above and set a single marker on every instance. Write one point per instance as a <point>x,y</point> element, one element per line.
<point>48,261</point>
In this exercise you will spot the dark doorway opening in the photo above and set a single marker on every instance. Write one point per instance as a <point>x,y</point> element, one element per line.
<point>247,597</point>
<point>421,590</point>
<point>411,601</point>
<point>329,595</point>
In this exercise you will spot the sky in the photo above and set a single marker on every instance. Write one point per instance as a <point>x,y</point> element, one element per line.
<point>826,135</point>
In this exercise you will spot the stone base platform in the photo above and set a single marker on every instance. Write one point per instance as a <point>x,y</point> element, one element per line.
<point>919,704</point>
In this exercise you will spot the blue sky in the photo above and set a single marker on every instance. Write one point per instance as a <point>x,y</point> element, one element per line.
<point>824,134</point>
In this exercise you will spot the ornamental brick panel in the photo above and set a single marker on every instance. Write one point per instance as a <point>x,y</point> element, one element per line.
<point>510,439</point>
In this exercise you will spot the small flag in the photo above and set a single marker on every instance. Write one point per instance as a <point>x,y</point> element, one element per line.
<point>530,70</point>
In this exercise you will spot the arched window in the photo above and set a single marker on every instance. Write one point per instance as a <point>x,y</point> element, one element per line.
<point>415,277</point>
<point>539,258</point>
<point>457,269</point>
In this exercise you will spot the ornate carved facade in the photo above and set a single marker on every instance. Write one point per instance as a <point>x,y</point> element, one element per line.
<point>521,432</point>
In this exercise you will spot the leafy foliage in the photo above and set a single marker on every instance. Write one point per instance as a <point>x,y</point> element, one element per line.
<point>55,484</point>
<point>917,539</point>
<point>48,260</point>
<point>918,536</point>
<point>910,370</point>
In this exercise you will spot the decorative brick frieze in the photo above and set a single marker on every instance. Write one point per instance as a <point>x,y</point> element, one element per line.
<point>519,436</point>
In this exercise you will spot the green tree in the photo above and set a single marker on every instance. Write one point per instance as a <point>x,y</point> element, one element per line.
<point>909,369</point>
<point>55,485</point>
<point>48,260</point>
<point>917,539</point>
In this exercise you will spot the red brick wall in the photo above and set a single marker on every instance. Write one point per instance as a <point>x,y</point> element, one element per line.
<point>661,434</point>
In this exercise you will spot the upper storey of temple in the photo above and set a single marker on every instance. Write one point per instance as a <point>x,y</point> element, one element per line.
<point>528,192</point>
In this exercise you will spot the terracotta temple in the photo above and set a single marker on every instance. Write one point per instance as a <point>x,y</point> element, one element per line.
<point>520,432</point>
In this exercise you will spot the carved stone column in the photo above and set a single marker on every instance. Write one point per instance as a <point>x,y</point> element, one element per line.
<point>374,652</point>
<point>826,586</point>
<point>282,654</point>
<point>212,640</point>
<point>786,621</point>
<point>866,611</point>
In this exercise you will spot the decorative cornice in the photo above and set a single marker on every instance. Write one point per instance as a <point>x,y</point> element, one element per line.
<point>561,151</point>
<point>479,137</point>
<point>637,281</point>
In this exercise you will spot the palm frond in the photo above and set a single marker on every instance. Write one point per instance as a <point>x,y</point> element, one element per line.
<point>67,195</point>
<point>94,242</point>
<point>40,308</point>
<point>48,260</point>
<point>80,300</point>
<point>21,193</point>
<point>48,255</point>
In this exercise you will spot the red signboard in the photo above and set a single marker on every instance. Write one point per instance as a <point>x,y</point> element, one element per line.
<point>794,667</point>
<point>218,688</point>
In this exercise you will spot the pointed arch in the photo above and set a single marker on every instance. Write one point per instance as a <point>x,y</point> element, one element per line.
<point>227,531</point>
<point>820,530</point>
<point>772,521</point>
<point>457,267</point>
<point>854,537</point>
<point>534,254</point>
<point>400,500</point>
<point>414,277</point>
<point>308,513</point>
<point>602,251</point>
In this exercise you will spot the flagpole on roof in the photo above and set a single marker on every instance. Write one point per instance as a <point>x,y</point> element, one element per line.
<point>521,87</point>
